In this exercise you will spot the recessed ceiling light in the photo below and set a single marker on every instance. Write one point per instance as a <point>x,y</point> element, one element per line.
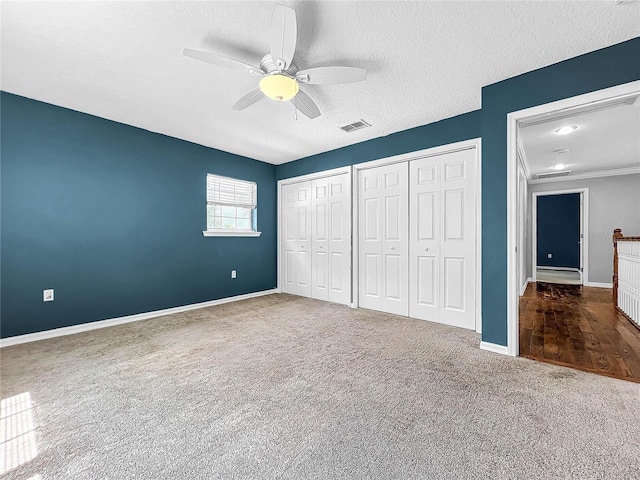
<point>559,166</point>
<point>565,130</point>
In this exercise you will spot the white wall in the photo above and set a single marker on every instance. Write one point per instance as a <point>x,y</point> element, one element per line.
<point>614,202</point>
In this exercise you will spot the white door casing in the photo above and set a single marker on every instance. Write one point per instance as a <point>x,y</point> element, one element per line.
<point>584,229</point>
<point>522,229</point>
<point>383,238</point>
<point>296,239</point>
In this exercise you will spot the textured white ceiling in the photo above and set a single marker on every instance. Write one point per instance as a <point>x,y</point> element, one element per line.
<point>606,139</point>
<point>426,61</point>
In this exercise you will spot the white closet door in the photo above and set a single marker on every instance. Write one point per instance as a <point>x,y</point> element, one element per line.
<point>383,238</point>
<point>424,244</point>
<point>331,261</point>
<point>296,239</point>
<point>442,245</point>
<point>320,239</point>
<point>457,248</point>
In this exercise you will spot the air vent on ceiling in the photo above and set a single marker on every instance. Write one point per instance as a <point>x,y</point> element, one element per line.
<point>355,126</point>
<point>541,176</point>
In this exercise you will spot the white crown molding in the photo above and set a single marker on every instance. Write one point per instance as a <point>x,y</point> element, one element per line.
<point>85,327</point>
<point>589,175</point>
<point>494,347</point>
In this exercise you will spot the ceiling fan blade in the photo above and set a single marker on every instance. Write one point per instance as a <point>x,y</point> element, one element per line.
<point>283,32</point>
<point>221,61</point>
<point>249,99</point>
<point>331,75</point>
<point>305,105</point>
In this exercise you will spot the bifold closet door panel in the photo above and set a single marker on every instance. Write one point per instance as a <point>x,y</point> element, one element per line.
<point>424,243</point>
<point>320,239</point>
<point>331,245</point>
<point>383,238</point>
<point>296,239</point>
<point>442,238</point>
<point>458,239</point>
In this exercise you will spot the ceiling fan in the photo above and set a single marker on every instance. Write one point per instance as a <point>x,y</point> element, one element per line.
<point>281,78</point>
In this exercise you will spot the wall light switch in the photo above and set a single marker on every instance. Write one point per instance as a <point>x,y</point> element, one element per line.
<point>233,274</point>
<point>47,295</point>
<point>549,255</point>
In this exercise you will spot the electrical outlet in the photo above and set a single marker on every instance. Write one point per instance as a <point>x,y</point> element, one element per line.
<point>47,295</point>
<point>233,274</point>
<point>549,255</point>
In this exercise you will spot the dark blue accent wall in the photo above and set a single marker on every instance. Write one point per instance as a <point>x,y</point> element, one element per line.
<point>593,71</point>
<point>111,217</point>
<point>558,230</point>
<point>450,130</point>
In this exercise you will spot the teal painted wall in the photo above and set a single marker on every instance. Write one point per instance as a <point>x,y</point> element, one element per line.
<point>111,217</point>
<point>450,130</point>
<point>604,68</point>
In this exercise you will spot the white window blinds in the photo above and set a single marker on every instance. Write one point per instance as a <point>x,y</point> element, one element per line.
<point>232,192</point>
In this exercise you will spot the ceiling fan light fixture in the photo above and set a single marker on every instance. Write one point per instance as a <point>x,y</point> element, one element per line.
<point>279,87</point>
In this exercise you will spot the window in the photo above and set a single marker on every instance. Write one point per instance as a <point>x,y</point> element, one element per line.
<point>231,207</point>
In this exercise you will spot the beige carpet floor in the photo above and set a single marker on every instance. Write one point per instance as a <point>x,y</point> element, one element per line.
<point>292,388</point>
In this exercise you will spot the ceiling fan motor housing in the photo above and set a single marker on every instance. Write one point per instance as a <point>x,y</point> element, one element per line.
<point>268,66</point>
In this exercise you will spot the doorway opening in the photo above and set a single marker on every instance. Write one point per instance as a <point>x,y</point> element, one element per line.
<point>561,156</point>
<point>560,231</point>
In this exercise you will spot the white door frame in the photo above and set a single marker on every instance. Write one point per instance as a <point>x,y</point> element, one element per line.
<point>594,98</point>
<point>406,157</point>
<point>304,178</point>
<point>584,229</point>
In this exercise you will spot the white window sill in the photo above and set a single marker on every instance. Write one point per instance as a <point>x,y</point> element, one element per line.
<point>230,233</point>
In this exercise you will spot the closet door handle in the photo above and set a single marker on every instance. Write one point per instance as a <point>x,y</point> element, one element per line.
<point>426,249</point>
<point>393,248</point>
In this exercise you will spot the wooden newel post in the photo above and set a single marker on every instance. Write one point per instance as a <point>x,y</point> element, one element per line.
<point>617,233</point>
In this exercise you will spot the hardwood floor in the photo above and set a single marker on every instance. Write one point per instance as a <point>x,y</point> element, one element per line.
<point>578,327</point>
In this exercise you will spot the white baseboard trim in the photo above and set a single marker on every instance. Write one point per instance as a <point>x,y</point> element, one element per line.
<point>559,269</point>
<point>494,347</point>
<point>526,284</point>
<point>110,322</point>
<point>598,284</point>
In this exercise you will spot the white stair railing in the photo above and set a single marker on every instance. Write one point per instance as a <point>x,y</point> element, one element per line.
<point>626,275</point>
